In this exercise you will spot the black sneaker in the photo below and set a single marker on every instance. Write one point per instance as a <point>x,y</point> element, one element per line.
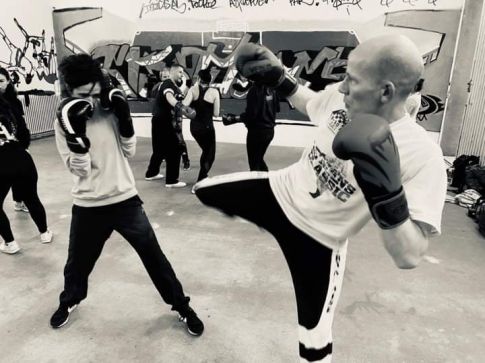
<point>61,316</point>
<point>195,326</point>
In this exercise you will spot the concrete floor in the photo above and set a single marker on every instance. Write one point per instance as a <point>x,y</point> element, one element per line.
<point>239,284</point>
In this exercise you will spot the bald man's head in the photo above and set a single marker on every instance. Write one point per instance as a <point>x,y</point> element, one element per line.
<point>381,73</point>
<point>392,58</point>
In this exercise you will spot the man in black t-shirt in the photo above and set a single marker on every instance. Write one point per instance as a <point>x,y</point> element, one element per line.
<point>167,142</point>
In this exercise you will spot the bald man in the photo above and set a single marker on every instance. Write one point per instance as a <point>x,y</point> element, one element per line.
<point>368,161</point>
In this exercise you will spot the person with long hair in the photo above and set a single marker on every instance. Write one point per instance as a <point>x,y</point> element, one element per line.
<point>18,169</point>
<point>205,100</point>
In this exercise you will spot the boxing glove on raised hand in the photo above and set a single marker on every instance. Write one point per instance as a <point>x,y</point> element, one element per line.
<point>112,98</point>
<point>183,110</point>
<point>107,89</point>
<point>230,118</point>
<point>73,113</point>
<point>260,65</point>
<point>121,109</point>
<point>368,142</point>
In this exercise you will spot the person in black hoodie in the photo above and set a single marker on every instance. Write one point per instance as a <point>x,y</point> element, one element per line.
<point>18,169</point>
<point>262,105</point>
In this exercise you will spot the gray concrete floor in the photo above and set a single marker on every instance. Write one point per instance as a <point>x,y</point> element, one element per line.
<point>239,284</point>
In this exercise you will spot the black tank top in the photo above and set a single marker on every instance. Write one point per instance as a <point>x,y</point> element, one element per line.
<point>204,110</point>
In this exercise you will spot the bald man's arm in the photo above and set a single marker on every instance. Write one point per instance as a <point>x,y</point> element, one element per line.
<point>301,98</point>
<point>406,243</point>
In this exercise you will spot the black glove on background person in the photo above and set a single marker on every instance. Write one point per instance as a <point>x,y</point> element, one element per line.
<point>230,118</point>
<point>73,113</point>
<point>368,142</point>
<point>183,110</point>
<point>260,65</point>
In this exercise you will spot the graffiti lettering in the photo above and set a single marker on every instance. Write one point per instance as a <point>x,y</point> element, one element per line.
<point>339,3</point>
<point>134,66</point>
<point>42,63</point>
<point>155,5</point>
<point>410,2</point>
<point>300,2</point>
<point>206,4</point>
<point>243,3</point>
<point>430,104</point>
<point>386,2</point>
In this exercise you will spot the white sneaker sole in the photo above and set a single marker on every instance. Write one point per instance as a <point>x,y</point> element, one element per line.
<point>11,252</point>
<point>157,177</point>
<point>47,240</point>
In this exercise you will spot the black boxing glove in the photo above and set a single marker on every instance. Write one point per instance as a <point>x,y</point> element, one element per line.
<point>73,113</point>
<point>121,109</point>
<point>179,96</point>
<point>230,118</point>
<point>183,110</point>
<point>112,98</point>
<point>106,87</point>
<point>368,142</point>
<point>260,65</point>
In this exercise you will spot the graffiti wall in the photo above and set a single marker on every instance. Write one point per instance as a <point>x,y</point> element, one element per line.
<point>27,51</point>
<point>316,57</point>
<point>27,47</point>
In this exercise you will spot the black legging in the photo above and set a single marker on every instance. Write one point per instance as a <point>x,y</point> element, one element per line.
<point>18,169</point>
<point>257,142</point>
<point>16,194</point>
<point>206,138</point>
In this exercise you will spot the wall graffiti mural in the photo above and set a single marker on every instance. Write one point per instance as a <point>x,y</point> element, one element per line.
<point>316,58</point>
<point>132,65</point>
<point>32,58</point>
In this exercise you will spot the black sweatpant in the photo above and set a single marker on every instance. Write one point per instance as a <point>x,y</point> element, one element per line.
<point>18,170</point>
<point>317,271</point>
<point>91,227</point>
<point>166,146</point>
<point>158,151</point>
<point>257,142</point>
<point>206,138</point>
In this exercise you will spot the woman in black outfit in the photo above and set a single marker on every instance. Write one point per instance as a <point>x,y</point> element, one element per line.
<point>17,167</point>
<point>206,102</point>
<point>262,105</point>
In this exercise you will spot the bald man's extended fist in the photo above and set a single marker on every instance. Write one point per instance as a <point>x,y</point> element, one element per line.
<point>260,65</point>
<point>367,140</point>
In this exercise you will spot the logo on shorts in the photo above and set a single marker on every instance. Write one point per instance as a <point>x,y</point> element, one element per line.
<point>330,175</point>
<point>338,119</point>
